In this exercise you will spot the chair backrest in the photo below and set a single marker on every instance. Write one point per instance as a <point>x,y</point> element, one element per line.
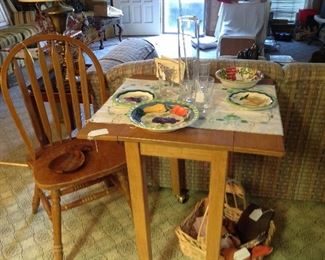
<point>54,71</point>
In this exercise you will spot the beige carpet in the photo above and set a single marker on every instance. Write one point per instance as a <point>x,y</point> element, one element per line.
<point>100,230</point>
<point>11,145</point>
<point>104,229</point>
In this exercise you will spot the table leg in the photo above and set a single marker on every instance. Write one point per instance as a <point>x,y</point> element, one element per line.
<point>218,174</point>
<point>101,44</point>
<point>101,38</point>
<point>120,30</point>
<point>177,168</point>
<point>139,200</point>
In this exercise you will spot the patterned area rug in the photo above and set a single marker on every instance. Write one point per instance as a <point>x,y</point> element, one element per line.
<point>11,145</point>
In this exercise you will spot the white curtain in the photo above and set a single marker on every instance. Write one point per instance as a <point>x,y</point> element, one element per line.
<point>309,4</point>
<point>283,8</point>
<point>211,14</point>
<point>313,4</point>
<point>286,9</point>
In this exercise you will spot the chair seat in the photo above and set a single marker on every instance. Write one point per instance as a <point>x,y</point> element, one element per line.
<point>94,167</point>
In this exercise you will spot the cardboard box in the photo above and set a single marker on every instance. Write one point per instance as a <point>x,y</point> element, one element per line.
<point>90,4</point>
<point>110,11</point>
<point>101,10</point>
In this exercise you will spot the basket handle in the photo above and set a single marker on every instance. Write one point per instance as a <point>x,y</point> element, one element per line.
<point>203,220</point>
<point>233,187</point>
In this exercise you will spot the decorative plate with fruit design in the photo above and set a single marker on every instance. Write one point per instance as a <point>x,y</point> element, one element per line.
<point>239,77</point>
<point>163,115</point>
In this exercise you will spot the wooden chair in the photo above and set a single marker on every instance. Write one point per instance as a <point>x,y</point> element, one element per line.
<point>49,136</point>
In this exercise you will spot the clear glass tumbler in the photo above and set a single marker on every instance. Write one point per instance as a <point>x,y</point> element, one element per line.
<point>204,94</point>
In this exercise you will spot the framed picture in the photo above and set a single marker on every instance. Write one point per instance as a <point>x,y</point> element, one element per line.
<point>4,15</point>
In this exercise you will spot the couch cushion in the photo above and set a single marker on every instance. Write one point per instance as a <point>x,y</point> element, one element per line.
<point>11,35</point>
<point>16,33</point>
<point>132,50</point>
<point>129,50</point>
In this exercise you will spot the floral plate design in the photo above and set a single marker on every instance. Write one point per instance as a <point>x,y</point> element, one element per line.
<point>252,100</point>
<point>163,115</point>
<point>132,97</point>
<point>239,77</point>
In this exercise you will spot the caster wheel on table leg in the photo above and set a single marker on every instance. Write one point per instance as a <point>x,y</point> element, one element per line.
<point>182,198</point>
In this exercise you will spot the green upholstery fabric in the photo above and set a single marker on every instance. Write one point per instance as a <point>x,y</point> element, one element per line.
<point>302,102</point>
<point>16,33</point>
<point>11,35</point>
<point>300,173</point>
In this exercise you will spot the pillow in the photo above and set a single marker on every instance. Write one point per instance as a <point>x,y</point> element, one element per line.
<point>206,42</point>
<point>44,22</point>
<point>132,50</point>
<point>76,22</point>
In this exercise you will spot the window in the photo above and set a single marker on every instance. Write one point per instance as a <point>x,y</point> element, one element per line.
<point>189,7</point>
<point>286,9</point>
<point>4,15</point>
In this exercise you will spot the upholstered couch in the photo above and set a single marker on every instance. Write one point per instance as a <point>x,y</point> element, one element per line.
<point>23,26</point>
<point>300,174</point>
<point>10,35</point>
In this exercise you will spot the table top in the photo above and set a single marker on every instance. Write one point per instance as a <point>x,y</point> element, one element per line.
<point>230,140</point>
<point>224,112</point>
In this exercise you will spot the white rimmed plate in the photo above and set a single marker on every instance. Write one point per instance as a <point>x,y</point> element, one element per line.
<point>132,97</point>
<point>252,100</point>
<point>171,122</point>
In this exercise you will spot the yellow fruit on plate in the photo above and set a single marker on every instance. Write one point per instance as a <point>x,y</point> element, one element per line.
<point>155,108</point>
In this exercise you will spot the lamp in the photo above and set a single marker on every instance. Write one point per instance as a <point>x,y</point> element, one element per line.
<point>57,12</point>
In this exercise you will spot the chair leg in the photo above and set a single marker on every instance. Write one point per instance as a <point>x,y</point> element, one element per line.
<point>56,222</point>
<point>36,199</point>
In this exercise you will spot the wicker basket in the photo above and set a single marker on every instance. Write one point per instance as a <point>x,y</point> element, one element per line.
<point>190,241</point>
